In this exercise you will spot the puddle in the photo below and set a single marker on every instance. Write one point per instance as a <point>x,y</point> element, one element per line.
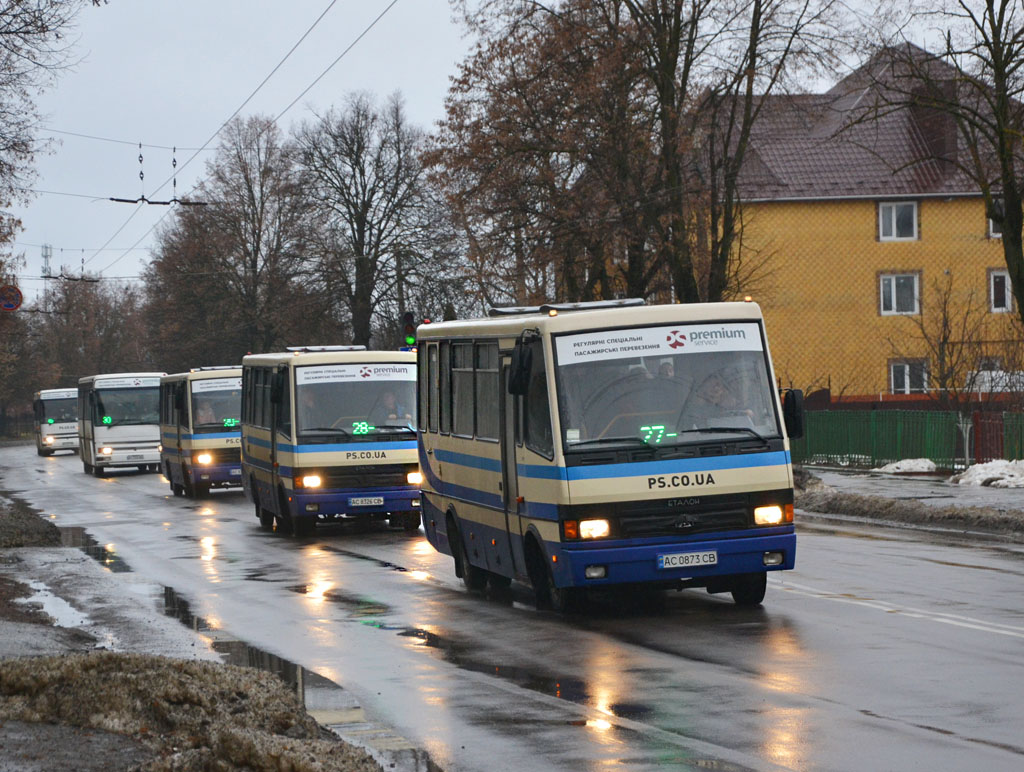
<point>570,689</point>
<point>359,606</point>
<point>315,691</point>
<point>106,555</point>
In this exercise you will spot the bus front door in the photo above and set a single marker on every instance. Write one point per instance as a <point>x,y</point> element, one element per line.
<point>510,474</point>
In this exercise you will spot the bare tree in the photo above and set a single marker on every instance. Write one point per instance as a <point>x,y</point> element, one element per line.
<point>35,44</point>
<point>376,222</point>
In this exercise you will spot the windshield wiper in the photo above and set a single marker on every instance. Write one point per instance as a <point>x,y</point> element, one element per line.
<point>732,429</point>
<point>403,427</point>
<point>602,440</point>
<point>325,430</point>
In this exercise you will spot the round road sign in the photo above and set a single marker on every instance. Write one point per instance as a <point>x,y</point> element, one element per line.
<point>10,297</point>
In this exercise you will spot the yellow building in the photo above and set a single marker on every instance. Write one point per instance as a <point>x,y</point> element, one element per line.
<point>869,238</point>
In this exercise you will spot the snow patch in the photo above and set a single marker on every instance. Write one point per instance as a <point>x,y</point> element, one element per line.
<point>908,465</point>
<point>994,474</point>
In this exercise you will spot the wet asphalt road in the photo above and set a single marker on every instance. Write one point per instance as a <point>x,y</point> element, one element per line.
<point>884,650</point>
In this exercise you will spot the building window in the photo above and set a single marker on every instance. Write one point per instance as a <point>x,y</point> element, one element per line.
<point>1000,296</point>
<point>897,221</point>
<point>899,293</point>
<point>995,230</point>
<point>908,376</point>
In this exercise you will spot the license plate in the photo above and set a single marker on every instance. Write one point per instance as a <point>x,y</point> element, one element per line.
<point>135,456</point>
<point>236,472</point>
<point>366,501</point>
<point>688,559</point>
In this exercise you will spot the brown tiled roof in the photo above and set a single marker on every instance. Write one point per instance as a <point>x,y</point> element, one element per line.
<point>835,145</point>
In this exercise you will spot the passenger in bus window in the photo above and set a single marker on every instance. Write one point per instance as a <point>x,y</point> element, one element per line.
<point>389,409</point>
<point>204,412</point>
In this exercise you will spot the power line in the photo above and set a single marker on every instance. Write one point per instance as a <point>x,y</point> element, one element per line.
<point>120,141</point>
<point>279,115</point>
<point>218,131</point>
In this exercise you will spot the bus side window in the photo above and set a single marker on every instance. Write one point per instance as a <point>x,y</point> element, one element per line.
<point>421,387</point>
<point>445,389</point>
<point>284,407</point>
<point>432,384</point>
<point>486,390</point>
<point>537,423</point>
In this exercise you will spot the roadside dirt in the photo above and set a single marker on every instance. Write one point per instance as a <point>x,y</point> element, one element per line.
<point>91,710</point>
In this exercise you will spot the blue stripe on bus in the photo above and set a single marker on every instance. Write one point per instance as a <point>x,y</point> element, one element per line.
<point>335,448</point>
<point>209,436</point>
<point>604,471</point>
<point>465,459</point>
<point>675,465</point>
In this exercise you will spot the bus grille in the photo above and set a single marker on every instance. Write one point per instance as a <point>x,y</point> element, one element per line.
<point>683,523</point>
<point>391,476</point>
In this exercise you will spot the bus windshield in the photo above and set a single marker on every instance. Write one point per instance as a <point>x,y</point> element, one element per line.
<point>216,405</point>
<point>355,401</point>
<point>126,407</point>
<point>660,386</point>
<point>57,411</point>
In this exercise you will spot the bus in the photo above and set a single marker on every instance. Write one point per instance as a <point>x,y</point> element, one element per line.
<point>55,415</point>
<point>574,447</point>
<point>200,430</point>
<point>118,422</point>
<point>328,434</point>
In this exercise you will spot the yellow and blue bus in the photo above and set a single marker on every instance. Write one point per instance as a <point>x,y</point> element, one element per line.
<point>585,446</point>
<point>328,434</point>
<point>200,430</point>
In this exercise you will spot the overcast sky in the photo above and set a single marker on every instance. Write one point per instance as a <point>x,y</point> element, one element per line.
<point>170,72</point>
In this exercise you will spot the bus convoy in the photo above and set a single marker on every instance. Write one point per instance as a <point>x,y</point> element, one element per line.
<point>200,430</point>
<point>569,447</point>
<point>55,420</point>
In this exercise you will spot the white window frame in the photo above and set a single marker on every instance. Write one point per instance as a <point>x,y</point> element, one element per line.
<point>881,294</point>
<point>994,230</point>
<point>887,212</point>
<point>1008,291</point>
<point>905,366</point>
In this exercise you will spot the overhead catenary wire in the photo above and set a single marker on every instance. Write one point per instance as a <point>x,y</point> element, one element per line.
<point>218,131</point>
<point>306,90</point>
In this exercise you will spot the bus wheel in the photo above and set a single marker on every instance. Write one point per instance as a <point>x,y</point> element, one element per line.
<point>474,578</point>
<point>186,483</point>
<point>266,518</point>
<point>303,526</point>
<point>98,471</point>
<point>749,589</point>
<point>411,522</point>
<point>202,490</point>
<point>86,467</point>
<point>498,581</point>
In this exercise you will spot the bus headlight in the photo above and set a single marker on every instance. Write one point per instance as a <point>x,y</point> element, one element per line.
<point>49,439</point>
<point>414,478</point>
<point>773,514</point>
<point>594,529</point>
<point>310,481</point>
<point>204,458</point>
<point>106,451</point>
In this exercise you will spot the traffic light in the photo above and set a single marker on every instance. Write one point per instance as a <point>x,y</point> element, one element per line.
<point>408,329</point>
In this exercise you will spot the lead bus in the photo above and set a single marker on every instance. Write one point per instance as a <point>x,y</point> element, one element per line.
<point>55,416</point>
<point>119,422</point>
<point>200,430</point>
<point>584,446</point>
<point>328,434</point>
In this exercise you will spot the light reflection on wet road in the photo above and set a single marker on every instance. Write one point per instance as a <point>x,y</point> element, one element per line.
<point>883,650</point>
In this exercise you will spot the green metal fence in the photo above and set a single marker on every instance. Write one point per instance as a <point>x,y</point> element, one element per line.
<point>1013,435</point>
<point>872,438</point>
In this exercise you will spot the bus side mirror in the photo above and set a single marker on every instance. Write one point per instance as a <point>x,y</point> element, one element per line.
<point>519,369</point>
<point>277,387</point>
<point>793,413</point>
